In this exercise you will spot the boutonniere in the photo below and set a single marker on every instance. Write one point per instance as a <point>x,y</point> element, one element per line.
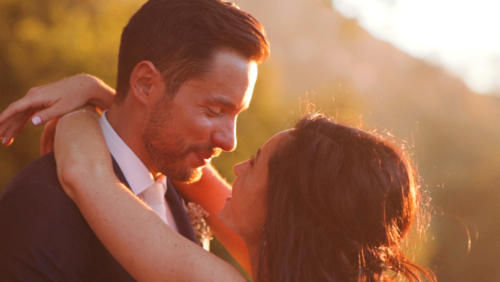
<point>197,216</point>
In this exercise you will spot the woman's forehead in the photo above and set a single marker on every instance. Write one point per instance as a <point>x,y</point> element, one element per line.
<point>271,144</point>
<point>278,138</point>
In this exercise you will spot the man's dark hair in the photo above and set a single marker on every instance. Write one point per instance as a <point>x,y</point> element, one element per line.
<point>181,37</point>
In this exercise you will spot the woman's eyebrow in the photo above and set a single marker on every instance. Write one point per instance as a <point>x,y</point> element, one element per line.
<point>257,156</point>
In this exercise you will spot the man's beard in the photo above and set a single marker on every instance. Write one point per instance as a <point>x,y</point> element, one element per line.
<point>169,151</point>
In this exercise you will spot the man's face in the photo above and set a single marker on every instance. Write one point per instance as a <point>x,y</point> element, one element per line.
<point>183,134</point>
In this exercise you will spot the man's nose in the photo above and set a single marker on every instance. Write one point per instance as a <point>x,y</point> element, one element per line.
<point>225,136</point>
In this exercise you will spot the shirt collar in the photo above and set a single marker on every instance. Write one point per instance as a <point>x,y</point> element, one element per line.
<point>138,176</point>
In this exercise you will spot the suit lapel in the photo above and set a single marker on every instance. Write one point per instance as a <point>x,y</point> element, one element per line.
<point>179,212</point>
<point>119,173</point>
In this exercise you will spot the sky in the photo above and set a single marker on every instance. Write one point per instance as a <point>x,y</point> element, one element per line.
<point>461,35</point>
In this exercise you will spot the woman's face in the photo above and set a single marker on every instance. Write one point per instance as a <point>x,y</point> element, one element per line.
<point>245,211</point>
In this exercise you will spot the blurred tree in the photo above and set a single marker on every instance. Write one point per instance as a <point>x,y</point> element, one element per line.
<point>45,40</point>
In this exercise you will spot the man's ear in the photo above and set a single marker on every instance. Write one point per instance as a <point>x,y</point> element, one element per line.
<point>144,78</point>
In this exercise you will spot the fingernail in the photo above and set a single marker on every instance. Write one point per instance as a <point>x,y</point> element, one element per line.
<point>36,120</point>
<point>5,141</point>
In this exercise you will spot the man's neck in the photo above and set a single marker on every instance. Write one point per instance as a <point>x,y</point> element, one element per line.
<point>129,126</point>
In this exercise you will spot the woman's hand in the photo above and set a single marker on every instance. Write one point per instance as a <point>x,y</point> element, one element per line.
<point>211,192</point>
<point>143,244</point>
<point>48,137</point>
<point>46,102</point>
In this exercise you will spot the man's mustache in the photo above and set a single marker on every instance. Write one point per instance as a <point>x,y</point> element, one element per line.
<point>207,150</point>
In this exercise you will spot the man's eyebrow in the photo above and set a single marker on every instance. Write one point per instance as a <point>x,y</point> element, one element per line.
<point>225,103</point>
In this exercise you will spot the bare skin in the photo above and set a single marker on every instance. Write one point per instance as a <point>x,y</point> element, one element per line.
<point>54,100</point>
<point>211,192</point>
<point>136,237</point>
<point>109,205</point>
<point>44,103</point>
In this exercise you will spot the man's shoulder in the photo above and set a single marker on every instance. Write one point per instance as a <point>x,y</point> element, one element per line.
<point>35,183</point>
<point>35,193</point>
<point>36,199</point>
<point>44,236</point>
<point>42,170</point>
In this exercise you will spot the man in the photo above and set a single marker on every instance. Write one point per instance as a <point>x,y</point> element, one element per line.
<point>186,70</point>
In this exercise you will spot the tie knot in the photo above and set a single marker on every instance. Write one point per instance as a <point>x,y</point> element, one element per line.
<point>155,194</point>
<point>161,178</point>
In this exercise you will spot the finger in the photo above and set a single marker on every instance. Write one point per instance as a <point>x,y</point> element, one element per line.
<point>36,99</point>
<point>48,136</point>
<point>7,142</point>
<point>8,137</point>
<point>15,128</point>
<point>52,112</point>
<point>25,104</point>
<point>3,129</point>
<point>13,121</point>
<point>7,128</point>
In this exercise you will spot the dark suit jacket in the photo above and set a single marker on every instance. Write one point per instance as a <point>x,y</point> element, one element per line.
<point>44,237</point>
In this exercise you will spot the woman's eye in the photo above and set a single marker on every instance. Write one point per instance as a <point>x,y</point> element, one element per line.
<point>251,161</point>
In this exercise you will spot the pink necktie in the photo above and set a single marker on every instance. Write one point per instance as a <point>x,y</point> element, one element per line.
<point>154,197</point>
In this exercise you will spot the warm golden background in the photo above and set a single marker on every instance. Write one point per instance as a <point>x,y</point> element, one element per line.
<point>452,132</point>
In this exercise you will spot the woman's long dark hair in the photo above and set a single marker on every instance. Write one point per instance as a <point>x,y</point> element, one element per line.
<point>340,200</point>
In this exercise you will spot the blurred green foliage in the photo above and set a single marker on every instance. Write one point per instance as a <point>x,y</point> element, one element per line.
<point>45,40</point>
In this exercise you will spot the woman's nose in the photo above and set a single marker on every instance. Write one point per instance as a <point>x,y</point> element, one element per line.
<point>239,168</point>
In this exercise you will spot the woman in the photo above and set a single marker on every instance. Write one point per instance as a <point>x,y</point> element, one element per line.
<point>320,202</point>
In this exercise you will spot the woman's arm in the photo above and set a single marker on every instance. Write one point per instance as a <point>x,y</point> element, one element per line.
<point>48,136</point>
<point>211,192</point>
<point>43,103</point>
<point>132,232</point>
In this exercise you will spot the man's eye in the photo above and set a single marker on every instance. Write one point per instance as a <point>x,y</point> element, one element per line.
<point>214,110</point>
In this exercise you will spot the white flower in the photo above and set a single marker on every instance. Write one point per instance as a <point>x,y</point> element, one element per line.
<point>201,229</point>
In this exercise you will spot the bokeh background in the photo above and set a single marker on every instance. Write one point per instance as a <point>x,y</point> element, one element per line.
<point>452,132</point>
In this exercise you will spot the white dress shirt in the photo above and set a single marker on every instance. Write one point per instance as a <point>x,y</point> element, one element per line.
<point>137,175</point>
